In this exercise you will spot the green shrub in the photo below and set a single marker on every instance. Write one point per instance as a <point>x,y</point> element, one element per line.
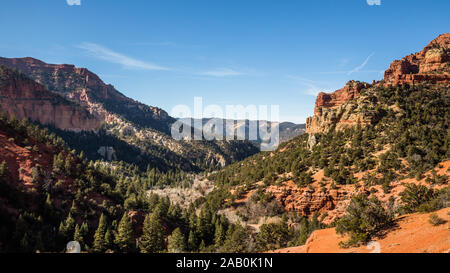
<point>414,196</point>
<point>435,220</point>
<point>440,201</point>
<point>364,218</point>
<point>273,236</point>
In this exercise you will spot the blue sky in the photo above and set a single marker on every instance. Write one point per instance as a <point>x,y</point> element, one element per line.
<point>262,52</point>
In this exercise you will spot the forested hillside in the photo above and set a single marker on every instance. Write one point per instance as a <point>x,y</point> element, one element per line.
<point>50,195</point>
<point>372,153</point>
<point>136,133</point>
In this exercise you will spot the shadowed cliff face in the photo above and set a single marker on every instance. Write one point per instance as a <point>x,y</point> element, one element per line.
<point>24,98</point>
<point>144,127</point>
<point>85,87</point>
<point>431,65</point>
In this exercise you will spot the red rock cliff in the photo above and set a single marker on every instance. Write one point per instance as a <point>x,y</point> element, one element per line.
<point>85,87</point>
<point>331,109</point>
<point>341,96</point>
<point>431,65</point>
<point>24,98</point>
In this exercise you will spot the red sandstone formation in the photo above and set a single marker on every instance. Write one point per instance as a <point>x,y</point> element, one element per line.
<point>24,98</point>
<point>341,96</point>
<point>331,109</point>
<point>81,85</point>
<point>334,201</point>
<point>309,201</point>
<point>431,65</point>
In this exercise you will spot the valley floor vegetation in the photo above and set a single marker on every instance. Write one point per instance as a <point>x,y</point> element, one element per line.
<point>106,206</point>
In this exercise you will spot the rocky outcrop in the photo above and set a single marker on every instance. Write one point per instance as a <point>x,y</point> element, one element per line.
<point>332,202</point>
<point>64,78</point>
<point>341,96</point>
<point>432,65</point>
<point>309,201</point>
<point>312,141</point>
<point>333,111</point>
<point>337,110</point>
<point>86,88</point>
<point>339,118</point>
<point>23,98</point>
<point>107,153</point>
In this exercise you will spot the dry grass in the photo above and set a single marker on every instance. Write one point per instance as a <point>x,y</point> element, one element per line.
<point>186,196</point>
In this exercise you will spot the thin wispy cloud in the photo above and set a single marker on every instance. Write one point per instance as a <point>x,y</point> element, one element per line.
<point>111,56</point>
<point>222,72</point>
<point>361,66</point>
<point>167,43</point>
<point>73,2</point>
<point>358,69</point>
<point>343,62</point>
<point>313,88</point>
<point>347,72</point>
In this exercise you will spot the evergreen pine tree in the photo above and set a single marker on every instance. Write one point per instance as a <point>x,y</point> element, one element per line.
<point>99,236</point>
<point>68,165</point>
<point>152,239</point>
<point>67,229</point>
<point>84,232</point>
<point>192,241</point>
<point>20,232</point>
<point>109,238</point>
<point>177,242</point>
<point>237,239</point>
<point>48,211</point>
<point>3,168</point>
<point>202,246</point>
<point>219,235</point>
<point>124,239</point>
<point>73,209</point>
<point>81,234</point>
<point>77,236</point>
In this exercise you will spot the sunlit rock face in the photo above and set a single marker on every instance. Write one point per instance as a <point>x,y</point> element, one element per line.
<point>23,98</point>
<point>342,108</point>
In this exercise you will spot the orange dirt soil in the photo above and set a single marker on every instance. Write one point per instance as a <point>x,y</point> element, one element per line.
<point>21,160</point>
<point>334,202</point>
<point>414,234</point>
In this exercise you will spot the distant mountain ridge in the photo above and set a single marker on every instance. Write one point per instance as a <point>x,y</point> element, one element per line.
<point>287,130</point>
<point>124,121</point>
